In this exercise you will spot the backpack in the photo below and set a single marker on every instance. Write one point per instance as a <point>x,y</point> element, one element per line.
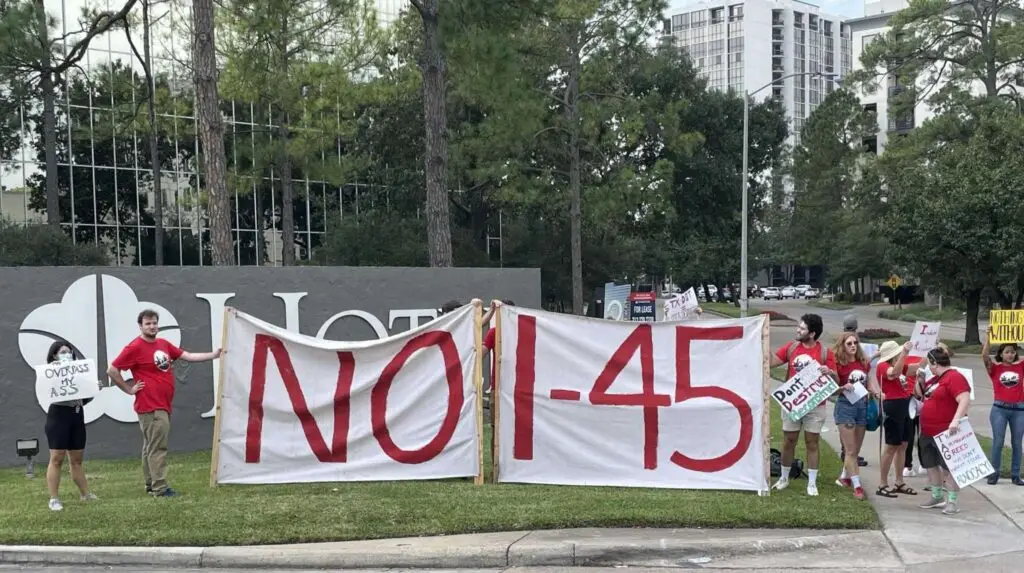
<point>874,415</point>
<point>795,471</point>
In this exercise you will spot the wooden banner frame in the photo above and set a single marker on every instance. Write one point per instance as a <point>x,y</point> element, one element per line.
<point>478,382</point>
<point>495,393</point>
<point>766,413</point>
<point>215,448</point>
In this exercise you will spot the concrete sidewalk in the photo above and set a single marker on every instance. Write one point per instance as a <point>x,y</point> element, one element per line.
<point>990,523</point>
<point>683,548</point>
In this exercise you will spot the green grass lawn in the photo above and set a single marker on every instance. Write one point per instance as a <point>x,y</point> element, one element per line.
<point>727,308</point>
<point>232,515</point>
<point>919,311</point>
<point>986,444</point>
<point>829,305</point>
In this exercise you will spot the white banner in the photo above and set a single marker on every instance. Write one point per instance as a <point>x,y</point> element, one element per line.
<point>584,401</point>
<point>67,381</point>
<point>963,455</point>
<point>300,409</point>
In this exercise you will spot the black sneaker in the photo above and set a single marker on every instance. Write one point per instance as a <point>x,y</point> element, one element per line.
<point>993,479</point>
<point>149,489</point>
<point>861,461</point>
<point>167,493</point>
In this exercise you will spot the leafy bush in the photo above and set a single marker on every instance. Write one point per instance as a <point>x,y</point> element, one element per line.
<point>45,246</point>
<point>775,315</point>
<point>841,297</point>
<point>877,334</point>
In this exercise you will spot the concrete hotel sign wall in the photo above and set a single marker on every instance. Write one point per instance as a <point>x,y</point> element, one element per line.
<point>95,309</point>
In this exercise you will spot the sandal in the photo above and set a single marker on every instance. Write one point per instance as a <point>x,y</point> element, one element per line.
<point>904,489</point>
<point>884,491</point>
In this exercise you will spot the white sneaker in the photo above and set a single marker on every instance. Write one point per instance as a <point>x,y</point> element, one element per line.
<point>55,504</point>
<point>908,472</point>
<point>781,484</point>
<point>921,471</point>
<point>89,497</point>
<point>812,489</point>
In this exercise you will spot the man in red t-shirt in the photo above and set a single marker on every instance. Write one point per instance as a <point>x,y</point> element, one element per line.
<point>798,354</point>
<point>150,361</point>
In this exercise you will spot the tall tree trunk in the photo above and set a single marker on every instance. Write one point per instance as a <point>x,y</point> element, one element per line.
<point>439,235</point>
<point>154,141</point>
<point>46,86</point>
<point>211,132</point>
<point>973,307</point>
<point>572,119</point>
<point>284,164</point>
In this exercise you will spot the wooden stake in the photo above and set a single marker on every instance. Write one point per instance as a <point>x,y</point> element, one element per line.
<point>215,450</point>
<point>766,420</point>
<point>496,396</point>
<point>478,381</point>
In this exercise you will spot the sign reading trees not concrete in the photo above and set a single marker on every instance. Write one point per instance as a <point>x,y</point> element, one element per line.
<point>1007,326</point>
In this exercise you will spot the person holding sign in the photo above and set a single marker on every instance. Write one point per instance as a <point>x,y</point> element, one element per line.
<point>1006,371</point>
<point>805,350</point>
<point>150,360</point>
<point>947,396</point>
<point>65,434</point>
<point>851,410</point>
<point>893,372</point>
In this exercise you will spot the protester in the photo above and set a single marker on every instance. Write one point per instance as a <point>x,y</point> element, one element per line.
<point>449,306</point>
<point>489,338</point>
<point>893,372</point>
<point>947,396</point>
<point>798,354</point>
<point>1006,371</point>
<point>850,325</point>
<point>150,361</point>
<point>65,434</point>
<point>852,417</point>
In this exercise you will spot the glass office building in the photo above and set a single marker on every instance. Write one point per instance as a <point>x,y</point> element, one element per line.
<point>104,168</point>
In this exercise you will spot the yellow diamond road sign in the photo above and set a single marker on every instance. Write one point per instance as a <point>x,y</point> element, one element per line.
<point>895,281</point>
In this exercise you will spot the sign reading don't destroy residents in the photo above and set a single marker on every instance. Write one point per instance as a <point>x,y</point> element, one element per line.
<point>95,309</point>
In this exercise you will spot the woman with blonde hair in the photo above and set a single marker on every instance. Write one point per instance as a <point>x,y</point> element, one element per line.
<point>851,410</point>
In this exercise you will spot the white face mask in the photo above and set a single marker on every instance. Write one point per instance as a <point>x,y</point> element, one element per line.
<point>64,357</point>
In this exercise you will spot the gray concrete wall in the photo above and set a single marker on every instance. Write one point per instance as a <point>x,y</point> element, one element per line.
<point>95,309</point>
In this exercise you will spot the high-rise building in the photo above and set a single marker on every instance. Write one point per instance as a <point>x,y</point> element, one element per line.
<point>771,47</point>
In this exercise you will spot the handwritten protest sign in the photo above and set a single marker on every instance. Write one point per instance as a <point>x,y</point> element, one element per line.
<point>681,306</point>
<point>805,391</point>
<point>67,381</point>
<point>869,351</point>
<point>925,337</point>
<point>963,455</point>
<point>1007,326</point>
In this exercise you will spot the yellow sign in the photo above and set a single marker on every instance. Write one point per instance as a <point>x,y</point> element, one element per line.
<point>1007,326</point>
<point>895,281</point>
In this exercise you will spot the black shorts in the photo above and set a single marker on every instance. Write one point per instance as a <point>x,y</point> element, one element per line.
<point>899,428</point>
<point>65,428</point>
<point>929,453</point>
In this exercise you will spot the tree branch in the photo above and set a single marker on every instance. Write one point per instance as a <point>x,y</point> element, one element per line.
<point>100,24</point>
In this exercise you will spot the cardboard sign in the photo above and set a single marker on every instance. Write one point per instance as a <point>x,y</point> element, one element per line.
<point>1007,326</point>
<point>925,337</point>
<point>805,391</point>
<point>963,455</point>
<point>68,381</point>
<point>681,306</point>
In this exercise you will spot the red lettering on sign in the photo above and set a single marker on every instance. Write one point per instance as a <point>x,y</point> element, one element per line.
<point>337,453</point>
<point>379,398</point>
<point>686,391</point>
<point>522,391</point>
<point>640,339</point>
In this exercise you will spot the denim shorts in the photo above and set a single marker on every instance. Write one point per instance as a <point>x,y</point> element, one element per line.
<point>847,413</point>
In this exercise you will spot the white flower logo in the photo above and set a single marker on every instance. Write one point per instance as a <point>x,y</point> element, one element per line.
<point>858,377</point>
<point>800,362</point>
<point>94,309</point>
<point>161,360</point>
<point>1009,379</point>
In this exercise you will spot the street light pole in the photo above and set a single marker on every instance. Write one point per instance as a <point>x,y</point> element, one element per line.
<point>744,300</point>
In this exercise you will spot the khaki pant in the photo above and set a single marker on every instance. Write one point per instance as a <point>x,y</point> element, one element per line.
<point>155,428</point>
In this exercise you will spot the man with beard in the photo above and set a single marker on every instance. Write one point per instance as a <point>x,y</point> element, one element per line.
<point>799,354</point>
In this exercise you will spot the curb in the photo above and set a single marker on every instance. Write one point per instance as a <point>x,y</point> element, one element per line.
<point>492,550</point>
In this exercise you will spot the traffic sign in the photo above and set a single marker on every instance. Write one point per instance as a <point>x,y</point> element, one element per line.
<point>895,281</point>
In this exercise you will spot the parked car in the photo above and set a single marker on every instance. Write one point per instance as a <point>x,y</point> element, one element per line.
<point>788,292</point>
<point>771,293</point>
<point>801,289</point>
<point>812,293</point>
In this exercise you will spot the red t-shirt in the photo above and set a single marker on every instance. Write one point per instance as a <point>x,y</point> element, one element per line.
<point>940,406</point>
<point>150,363</point>
<point>853,372</point>
<point>489,345</point>
<point>1006,382</point>
<point>813,353</point>
<point>892,387</point>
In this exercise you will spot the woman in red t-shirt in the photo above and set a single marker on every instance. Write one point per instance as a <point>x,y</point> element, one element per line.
<point>947,396</point>
<point>1006,370</point>
<point>851,417</point>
